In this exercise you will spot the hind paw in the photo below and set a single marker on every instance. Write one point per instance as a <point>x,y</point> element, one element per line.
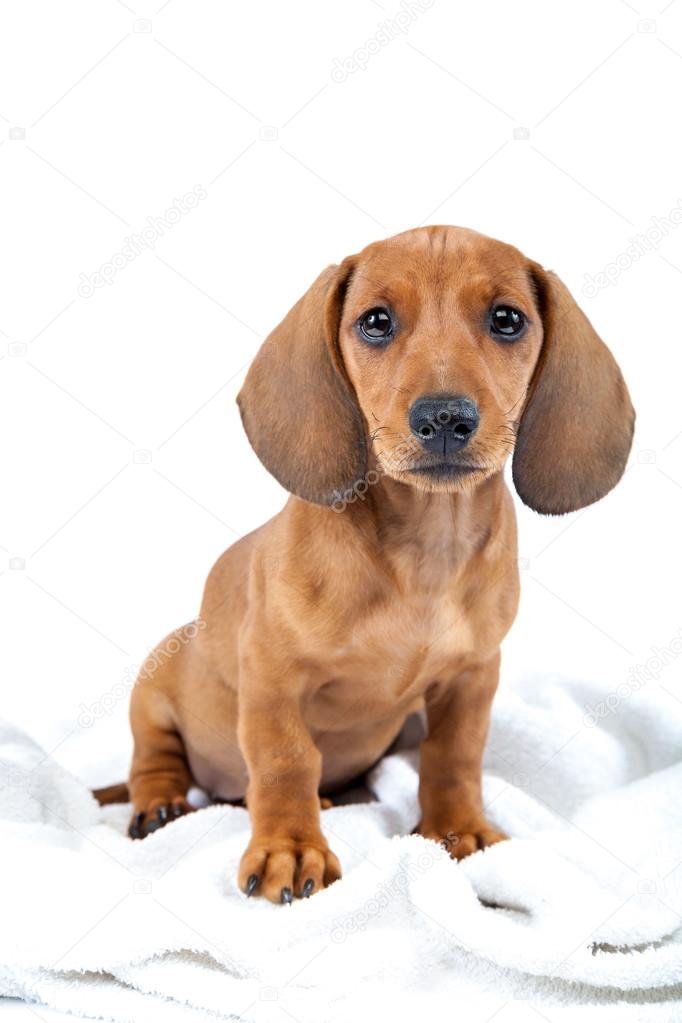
<point>156,815</point>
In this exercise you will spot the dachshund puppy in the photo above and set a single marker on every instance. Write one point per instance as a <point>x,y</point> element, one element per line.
<point>387,403</point>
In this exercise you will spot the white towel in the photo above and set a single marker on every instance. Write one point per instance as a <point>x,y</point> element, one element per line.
<point>578,917</point>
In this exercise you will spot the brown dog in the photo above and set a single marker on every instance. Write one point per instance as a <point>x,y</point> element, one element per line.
<point>387,403</point>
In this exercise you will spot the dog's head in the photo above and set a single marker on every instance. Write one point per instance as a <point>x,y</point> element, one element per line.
<point>440,351</point>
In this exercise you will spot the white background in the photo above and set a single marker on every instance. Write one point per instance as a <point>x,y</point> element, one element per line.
<point>125,472</point>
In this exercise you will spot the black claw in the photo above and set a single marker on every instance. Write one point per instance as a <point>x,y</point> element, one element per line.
<point>139,829</point>
<point>286,896</point>
<point>157,822</point>
<point>251,885</point>
<point>308,888</point>
<point>135,829</point>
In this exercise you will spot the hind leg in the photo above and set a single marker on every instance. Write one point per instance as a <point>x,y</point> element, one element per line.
<point>159,776</point>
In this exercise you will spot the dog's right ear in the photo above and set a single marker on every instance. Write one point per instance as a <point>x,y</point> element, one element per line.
<point>297,405</point>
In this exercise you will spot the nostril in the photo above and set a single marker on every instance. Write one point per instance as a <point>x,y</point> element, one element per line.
<point>443,417</point>
<point>463,429</point>
<point>426,431</point>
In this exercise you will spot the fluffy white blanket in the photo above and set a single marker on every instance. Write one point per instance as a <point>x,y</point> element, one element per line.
<point>579,917</point>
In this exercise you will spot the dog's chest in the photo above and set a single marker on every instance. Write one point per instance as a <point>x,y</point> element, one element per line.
<point>427,611</point>
<point>389,657</point>
<point>416,634</point>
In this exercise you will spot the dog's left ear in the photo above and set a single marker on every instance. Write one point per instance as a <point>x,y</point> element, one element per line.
<point>576,429</point>
<point>297,405</point>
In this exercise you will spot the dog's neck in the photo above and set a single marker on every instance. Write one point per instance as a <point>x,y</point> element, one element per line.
<point>434,524</point>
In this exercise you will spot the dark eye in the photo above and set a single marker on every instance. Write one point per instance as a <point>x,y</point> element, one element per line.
<point>506,322</point>
<point>376,325</point>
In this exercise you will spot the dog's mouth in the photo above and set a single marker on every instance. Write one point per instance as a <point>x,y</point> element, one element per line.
<point>444,469</point>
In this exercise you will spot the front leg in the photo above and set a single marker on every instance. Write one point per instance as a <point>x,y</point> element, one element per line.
<point>458,714</point>
<point>288,854</point>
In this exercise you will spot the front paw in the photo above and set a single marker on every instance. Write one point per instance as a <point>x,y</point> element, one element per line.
<point>281,866</point>
<point>463,838</point>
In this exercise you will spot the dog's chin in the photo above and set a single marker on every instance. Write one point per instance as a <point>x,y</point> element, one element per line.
<point>445,476</point>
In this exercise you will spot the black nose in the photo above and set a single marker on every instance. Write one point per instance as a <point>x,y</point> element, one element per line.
<point>444,422</point>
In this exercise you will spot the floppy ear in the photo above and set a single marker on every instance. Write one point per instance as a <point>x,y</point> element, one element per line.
<point>576,429</point>
<point>297,405</point>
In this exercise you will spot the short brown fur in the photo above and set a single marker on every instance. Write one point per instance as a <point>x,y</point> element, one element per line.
<point>378,590</point>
